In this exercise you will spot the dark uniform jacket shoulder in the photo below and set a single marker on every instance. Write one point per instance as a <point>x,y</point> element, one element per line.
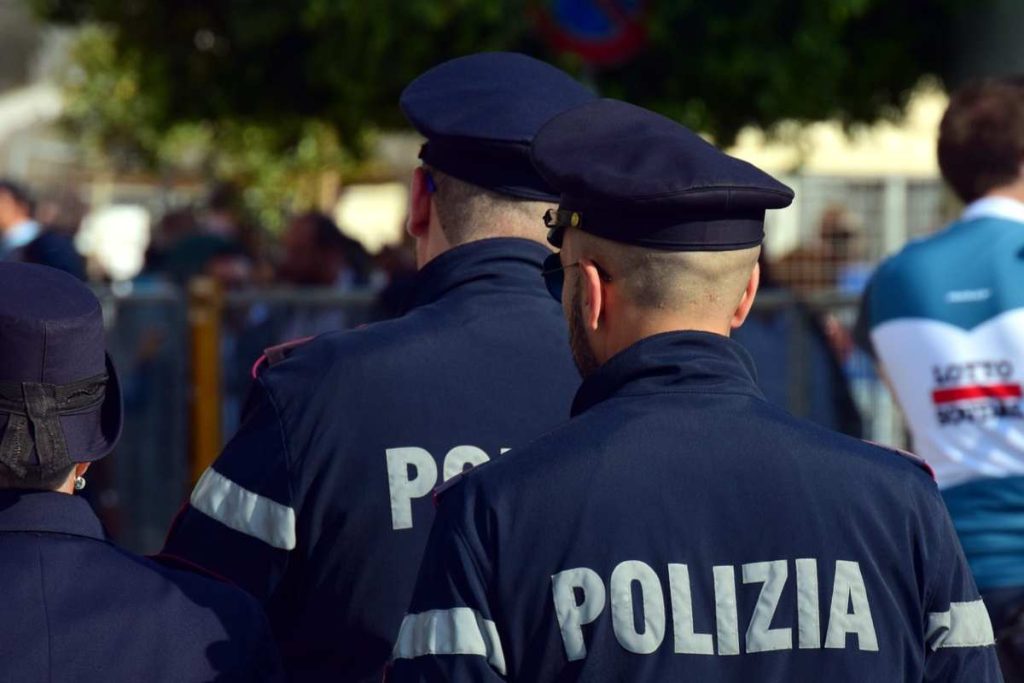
<point>87,610</point>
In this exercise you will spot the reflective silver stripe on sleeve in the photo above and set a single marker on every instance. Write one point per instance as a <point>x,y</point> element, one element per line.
<point>244,511</point>
<point>457,631</point>
<point>966,624</point>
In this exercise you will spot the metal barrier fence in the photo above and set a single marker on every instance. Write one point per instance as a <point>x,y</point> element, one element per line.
<point>185,361</point>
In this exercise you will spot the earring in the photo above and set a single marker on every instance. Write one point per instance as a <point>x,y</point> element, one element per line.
<point>79,483</point>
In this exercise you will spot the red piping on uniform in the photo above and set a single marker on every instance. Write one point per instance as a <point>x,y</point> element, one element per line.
<point>256,366</point>
<point>178,562</point>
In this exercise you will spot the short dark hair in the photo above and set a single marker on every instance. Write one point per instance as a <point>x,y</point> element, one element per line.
<point>34,479</point>
<point>981,137</point>
<point>19,193</point>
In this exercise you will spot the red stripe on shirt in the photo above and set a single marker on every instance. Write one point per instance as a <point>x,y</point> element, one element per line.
<point>967,393</point>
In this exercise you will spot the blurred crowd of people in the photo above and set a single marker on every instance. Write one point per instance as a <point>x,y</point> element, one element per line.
<point>215,239</point>
<point>218,240</point>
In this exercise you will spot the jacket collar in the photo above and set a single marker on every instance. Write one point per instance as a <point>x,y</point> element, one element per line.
<point>501,263</point>
<point>994,207</point>
<point>673,362</point>
<point>48,512</point>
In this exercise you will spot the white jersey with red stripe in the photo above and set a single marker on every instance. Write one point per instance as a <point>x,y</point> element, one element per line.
<point>946,322</point>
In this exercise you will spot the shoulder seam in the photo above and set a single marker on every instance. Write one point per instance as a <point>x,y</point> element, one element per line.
<point>284,437</point>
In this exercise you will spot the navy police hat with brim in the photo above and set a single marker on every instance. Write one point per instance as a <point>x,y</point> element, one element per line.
<point>635,177</point>
<point>479,114</point>
<point>60,399</point>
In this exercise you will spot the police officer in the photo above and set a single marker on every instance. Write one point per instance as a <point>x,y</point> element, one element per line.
<point>679,527</point>
<point>76,607</point>
<point>321,503</point>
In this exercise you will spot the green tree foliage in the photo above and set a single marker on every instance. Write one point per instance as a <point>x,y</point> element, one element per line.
<point>249,87</point>
<point>726,64</point>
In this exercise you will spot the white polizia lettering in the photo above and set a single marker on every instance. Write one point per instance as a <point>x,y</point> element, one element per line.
<point>404,485</point>
<point>848,592</point>
<point>807,610</point>
<point>244,511</point>
<point>726,618</point>
<point>760,636</point>
<point>457,631</point>
<point>623,608</point>
<point>639,622</point>
<point>571,613</point>
<point>462,458</point>
<point>965,624</point>
<point>412,474</point>
<point>687,640</point>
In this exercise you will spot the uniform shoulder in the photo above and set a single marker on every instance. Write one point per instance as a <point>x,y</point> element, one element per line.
<point>525,467</point>
<point>331,351</point>
<point>915,460</point>
<point>189,589</point>
<point>187,598</point>
<point>863,456</point>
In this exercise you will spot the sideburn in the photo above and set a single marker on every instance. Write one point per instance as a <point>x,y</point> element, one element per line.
<point>582,353</point>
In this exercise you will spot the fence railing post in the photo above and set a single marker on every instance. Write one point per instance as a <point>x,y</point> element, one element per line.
<point>205,306</point>
<point>894,215</point>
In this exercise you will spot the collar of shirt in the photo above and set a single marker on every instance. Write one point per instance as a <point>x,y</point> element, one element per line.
<point>672,362</point>
<point>20,235</point>
<point>500,263</point>
<point>48,512</point>
<point>994,207</point>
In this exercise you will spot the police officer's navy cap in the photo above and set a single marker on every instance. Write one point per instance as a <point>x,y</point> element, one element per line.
<point>60,400</point>
<point>479,114</point>
<point>633,176</point>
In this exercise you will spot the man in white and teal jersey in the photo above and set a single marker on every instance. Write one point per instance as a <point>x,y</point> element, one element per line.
<point>945,320</point>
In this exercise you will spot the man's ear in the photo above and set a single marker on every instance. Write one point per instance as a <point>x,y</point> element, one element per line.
<point>593,294</point>
<point>419,205</point>
<point>747,300</point>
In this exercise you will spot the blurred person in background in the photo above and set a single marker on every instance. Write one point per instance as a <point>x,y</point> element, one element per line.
<point>797,366</point>
<point>163,262</point>
<point>834,262</point>
<point>82,609</point>
<point>245,328</point>
<point>62,211</point>
<point>396,266</point>
<point>321,503</point>
<point>317,254</point>
<point>224,215</point>
<point>189,240</point>
<point>944,319</point>
<point>24,240</point>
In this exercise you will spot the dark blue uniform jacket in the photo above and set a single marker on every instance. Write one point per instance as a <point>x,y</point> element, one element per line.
<point>321,504</point>
<point>78,609</point>
<point>679,527</point>
<point>54,250</point>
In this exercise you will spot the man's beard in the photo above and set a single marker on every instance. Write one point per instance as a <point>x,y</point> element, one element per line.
<point>582,354</point>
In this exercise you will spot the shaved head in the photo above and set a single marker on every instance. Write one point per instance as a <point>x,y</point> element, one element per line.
<point>703,284</point>
<point>468,212</point>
